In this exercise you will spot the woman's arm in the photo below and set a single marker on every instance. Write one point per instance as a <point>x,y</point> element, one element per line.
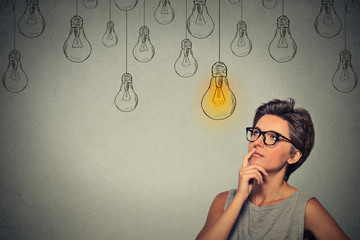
<point>219,223</point>
<point>320,223</point>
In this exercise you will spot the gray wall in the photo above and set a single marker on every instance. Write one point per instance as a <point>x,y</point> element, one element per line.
<point>74,167</point>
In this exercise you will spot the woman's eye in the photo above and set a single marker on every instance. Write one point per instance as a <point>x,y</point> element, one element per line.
<point>255,133</point>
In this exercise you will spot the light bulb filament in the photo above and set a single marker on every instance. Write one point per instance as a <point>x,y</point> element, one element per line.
<point>345,73</point>
<point>241,41</point>
<point>32,18</point>
<point>143,46</point>
<point>200,20</point>
<point>282,41</point>
<point>126,97</point>
<point>164,9</point>
<point>77,41</point>
<point>14,73</point>
<point>328,18</point>
<point>218,97</point>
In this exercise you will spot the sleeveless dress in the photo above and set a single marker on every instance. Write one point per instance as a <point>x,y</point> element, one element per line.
<point>284,220</point>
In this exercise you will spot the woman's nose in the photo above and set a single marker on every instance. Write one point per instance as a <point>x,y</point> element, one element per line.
<point>259,142</point>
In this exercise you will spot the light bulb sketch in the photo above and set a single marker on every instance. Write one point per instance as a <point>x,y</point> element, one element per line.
<point>241,45</point>
<point>345,78</point>
<point>77,47</point>
<point>32,23</point>
<point>218,102</point>
<point>353,6</point>
<point>126,5</point>
<point>327,23</point>
<point>164,13</point>
<point>110,39</point>
<point>283,47</point>
<point>186,65</point>
<point>7,6</point>
<point>126,100</point>
<point>234,1</point>
<point>200,24</point>
<point>144,50</point>
<point>14,78</point>
<point>90,4</point>
<point>269,4</point>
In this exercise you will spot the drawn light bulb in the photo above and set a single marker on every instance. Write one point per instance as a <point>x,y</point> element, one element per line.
<point>110,38</point>
<point>126,99</point>
<point>32,23</point>
<point>353,6</point>
<point>241,45</point>
<point>327,23</point>
<point>186,65</point>
<point>125,5</point>
<point>234,1</point>
<point>14,79</point>
<point>345,78</point>
<point>90,4</point>
<point>143,51</point>
<point>164,13</point>
<point>77,47</point>
<point>218,102</point>
<point>283,47</point>
<point>200,23</point>
<point>269,4</point>
<point>7,6</point>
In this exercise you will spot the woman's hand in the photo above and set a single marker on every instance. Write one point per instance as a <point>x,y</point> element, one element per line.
<point>248,174</point>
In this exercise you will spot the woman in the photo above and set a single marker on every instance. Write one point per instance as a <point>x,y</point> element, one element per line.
<point>265,206</point>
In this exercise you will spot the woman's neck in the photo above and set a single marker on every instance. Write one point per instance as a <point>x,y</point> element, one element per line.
<point>274,190</point>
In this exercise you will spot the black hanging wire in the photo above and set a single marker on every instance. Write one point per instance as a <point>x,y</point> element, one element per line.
<point>144,12</point>
<point>345,25</point>
<point>219,30</point>
<point>283,7</point>
<point>185,19</point>
<point>14,25</point>
<point>241,10</point>
<point>76,7</point>
<point>126,41</point>
<point>110,9</point>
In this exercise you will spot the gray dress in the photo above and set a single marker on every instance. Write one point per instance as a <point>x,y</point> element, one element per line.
<point>284,220</point>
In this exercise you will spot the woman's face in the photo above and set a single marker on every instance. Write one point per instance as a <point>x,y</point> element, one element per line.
<point>272,158</point>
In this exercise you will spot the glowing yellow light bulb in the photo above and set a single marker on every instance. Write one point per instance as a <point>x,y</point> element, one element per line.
<point>218,102</point>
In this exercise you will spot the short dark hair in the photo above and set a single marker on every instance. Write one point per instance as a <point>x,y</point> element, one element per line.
<point>301,127</point>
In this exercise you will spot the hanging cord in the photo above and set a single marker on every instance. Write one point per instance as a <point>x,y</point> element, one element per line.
<point>283,7</point>
<point>241,10</point>
<point>345,26</point>
<point>126,41</point>
<point>144,12</point>
<point>185,19</point>
<point>110,10</point>
<point>76,7</point>
<point>14,25</point>
<point>219,30</point>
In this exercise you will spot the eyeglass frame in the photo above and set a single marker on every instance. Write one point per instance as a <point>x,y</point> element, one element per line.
<point>262,133</point>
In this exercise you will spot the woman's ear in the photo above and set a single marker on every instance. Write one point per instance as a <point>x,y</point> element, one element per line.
<point>295,157</point>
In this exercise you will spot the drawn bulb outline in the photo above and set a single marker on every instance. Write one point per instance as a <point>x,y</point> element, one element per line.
<point>7,6</point>
<point>77,47</point>
<point>90,4</point>
<point>234,1</point>
<point>164,13</point>
<point>110,39</point>
<point>14,78</point>
<point>219,101</point>
<point>200,24</point>
<point>283,47</point>
<point>345,78</point>
<point>269,4</point>
<point>126,99</point>
<point>32,23</point>
<point>126,5</point>
<point>144,51</point>
<point>241,45</point>
<point>352,6</point>
<point>327,23</point>
<point>186,65</point>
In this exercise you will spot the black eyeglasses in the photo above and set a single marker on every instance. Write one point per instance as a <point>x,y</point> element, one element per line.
<point>269,137</point>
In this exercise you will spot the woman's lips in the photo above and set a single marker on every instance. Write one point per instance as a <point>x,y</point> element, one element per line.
<point>256,154</point>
